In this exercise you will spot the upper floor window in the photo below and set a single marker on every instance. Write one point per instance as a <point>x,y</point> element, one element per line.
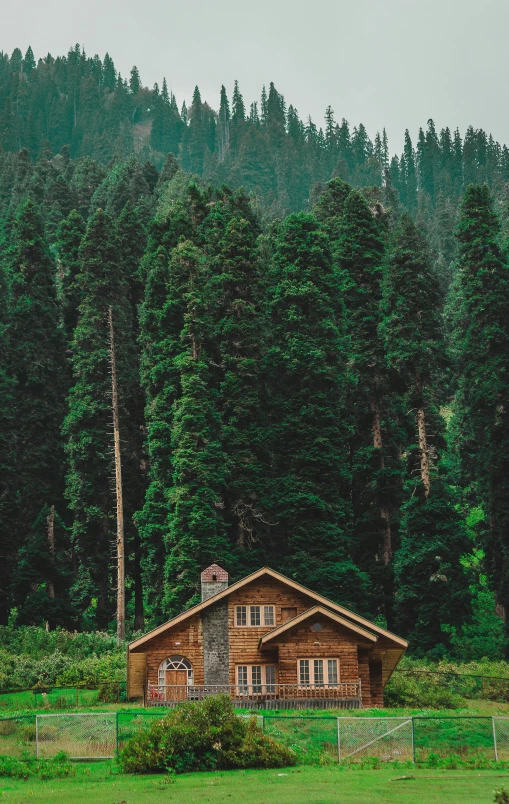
<point>255,615</point>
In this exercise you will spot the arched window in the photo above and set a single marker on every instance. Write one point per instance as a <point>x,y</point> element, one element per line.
<point>175,670</point>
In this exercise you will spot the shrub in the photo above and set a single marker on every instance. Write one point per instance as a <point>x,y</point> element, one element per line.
<point>405,690</point>
<point>56,768</point>
<point>206,735</point>
<point>501,796</point>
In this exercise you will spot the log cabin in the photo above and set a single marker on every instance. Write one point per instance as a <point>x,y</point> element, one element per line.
<point>269,643</point>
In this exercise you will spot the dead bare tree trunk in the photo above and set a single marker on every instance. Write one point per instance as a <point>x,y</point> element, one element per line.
<point>385,514</point>
<point>50,519</point>
<point>423,451</point>
<point>118,488</point>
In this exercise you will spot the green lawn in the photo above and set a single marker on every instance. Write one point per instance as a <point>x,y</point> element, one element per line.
<point>100,784</point>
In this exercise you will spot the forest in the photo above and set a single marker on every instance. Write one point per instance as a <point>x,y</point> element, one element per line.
<point>311,348</point>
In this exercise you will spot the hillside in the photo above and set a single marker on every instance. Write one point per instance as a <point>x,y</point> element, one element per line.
<point>312,370</point>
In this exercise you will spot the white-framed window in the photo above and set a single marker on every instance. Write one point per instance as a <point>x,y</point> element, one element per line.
<point>255,616</point>
<point>318,672</point>
<point>256,678</point>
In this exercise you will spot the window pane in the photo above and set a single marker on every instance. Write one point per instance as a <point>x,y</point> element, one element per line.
<point>241,615</point>
<point>256,676</point>
<point>268,615</point>
<point>242,675</point>
<point>318,671</point>
<point>255,615</point>
<point>304,671</point>
<point>332,671</point>
<point>270,677</point>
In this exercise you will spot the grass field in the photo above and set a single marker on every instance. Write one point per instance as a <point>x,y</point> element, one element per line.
<point>101,784</point>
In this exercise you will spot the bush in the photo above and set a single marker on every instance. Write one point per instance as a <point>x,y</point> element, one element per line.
<point>405,690</point>
<point>57,768</point>
<point>501,796</point>
<point>201,736</point>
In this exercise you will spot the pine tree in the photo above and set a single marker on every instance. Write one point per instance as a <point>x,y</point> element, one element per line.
<point>69,237</point>
<point>135,81</point>
<point>430,585</point>
<point>237,290</point>
<point>483,346</point>
<point>36,364</point>
<point>88,425</point>
<point>195,527</point>
<point>359,252</point>
<point>8,480</point>
<point>305,371</point>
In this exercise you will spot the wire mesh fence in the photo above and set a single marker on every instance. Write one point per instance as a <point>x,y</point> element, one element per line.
<point>388,738</point>
<point>80,736</point>
<point>466,737</point>
<point>310,737</point>
<point>101,735</point>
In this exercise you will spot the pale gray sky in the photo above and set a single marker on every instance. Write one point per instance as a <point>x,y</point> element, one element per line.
<point>391,63</point>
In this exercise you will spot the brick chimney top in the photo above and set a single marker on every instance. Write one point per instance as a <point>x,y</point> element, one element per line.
<point>214,579</point>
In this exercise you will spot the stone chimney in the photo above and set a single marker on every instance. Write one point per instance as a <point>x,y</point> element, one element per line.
<point>213,580</point>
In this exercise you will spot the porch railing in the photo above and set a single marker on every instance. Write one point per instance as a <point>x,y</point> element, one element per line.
<point>157,693</point>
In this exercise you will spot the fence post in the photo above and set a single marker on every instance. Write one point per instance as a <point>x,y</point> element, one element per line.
<point>413,741</point>
<point>116,733</point>
<point>494,739</point>
<point>36,738</point>
<point>339,741</point>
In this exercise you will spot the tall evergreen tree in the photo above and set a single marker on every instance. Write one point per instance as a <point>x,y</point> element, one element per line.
<point>305,369</point>
<point>237,289</point>
<point>196,534</point>
<point>431,590</point>
<point>36,364</point>
<point>359,251</point>
<point>88,425</point>
<point>483,350</point>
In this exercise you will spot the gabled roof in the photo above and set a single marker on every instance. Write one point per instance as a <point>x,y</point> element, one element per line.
<point>312,612</point>
<point>349,615</point>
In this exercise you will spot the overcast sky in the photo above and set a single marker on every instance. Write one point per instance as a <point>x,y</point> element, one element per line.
<point>392,63</point>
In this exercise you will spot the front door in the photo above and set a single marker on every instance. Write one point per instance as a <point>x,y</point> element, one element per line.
<point>176,681</point>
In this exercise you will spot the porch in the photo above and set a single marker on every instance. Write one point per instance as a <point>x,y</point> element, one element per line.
<point>261,696</point>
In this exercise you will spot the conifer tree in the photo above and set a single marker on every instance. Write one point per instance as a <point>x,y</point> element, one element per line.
<point>69,237</point>
<point>88,425</point>
<point>237,289</point>
<point>430,584</point>
<point>36,365</point>
<point>306,377</point>
<point>483,362</point>
<point>359,251</point>
<point>196,534</point>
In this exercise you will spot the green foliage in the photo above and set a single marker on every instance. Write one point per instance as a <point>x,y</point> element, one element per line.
<point>203,736</point>
<point>58,767</point>
<point>306,379</point>
<point>482,341</point>
<point>501,796</point>
<point>404,690</point>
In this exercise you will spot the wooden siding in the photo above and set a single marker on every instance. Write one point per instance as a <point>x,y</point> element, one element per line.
<point>375,673</point>
<point>332,642</point>
<point>189,634</point>
<point>244,640</point>
<point>136,675</point>
<point>364,676</point>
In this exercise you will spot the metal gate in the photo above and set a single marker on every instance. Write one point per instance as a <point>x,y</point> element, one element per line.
<point>81,736</point>
<point>388,738</point>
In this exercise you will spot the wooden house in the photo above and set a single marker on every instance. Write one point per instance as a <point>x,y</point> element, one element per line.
<point>268,642</point>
